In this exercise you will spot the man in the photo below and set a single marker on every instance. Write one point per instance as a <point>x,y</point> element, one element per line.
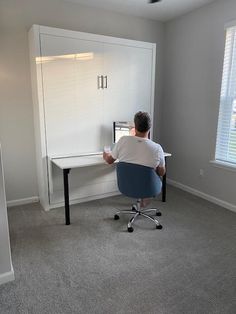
<point>139,149</point>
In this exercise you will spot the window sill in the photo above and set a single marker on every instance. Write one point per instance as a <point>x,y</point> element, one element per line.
<point>223,165</point>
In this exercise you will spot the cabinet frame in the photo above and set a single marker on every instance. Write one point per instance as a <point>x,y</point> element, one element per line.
<point>42,159</point>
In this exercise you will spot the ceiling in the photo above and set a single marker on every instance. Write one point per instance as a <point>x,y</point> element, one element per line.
<point>162,11</point>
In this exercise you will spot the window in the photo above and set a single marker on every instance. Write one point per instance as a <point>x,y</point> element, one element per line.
<point>226,132</point>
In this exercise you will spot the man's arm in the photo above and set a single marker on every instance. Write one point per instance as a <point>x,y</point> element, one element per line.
<point>161,170</point>
<point>108,158</point>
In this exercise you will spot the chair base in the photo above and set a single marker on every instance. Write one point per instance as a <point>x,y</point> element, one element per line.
<point>136,212</point>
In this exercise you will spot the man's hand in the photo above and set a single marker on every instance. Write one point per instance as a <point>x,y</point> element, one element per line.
<point>161,171</point>
<point>108,158</point>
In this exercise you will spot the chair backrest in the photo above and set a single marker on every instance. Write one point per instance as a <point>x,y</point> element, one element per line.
<point>137,181</point>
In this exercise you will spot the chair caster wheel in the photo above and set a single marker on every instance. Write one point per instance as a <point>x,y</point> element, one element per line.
<point>158,214</point>
<point>116,217</point>
<point>130,229</point>
<point>159,227</point>
<point>134,208</point>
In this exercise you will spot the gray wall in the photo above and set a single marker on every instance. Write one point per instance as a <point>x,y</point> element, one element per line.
<point>16,113</point>
<point>194,51</point>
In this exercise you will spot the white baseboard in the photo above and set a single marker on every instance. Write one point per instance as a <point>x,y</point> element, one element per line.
<point>6,277</point>
<point>23,201</point>
<point>35,199</point>
<point>207,197</point>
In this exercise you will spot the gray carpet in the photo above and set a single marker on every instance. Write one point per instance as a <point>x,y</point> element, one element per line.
<point>95,266</point>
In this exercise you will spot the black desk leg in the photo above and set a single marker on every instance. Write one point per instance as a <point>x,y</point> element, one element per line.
<point>66,196</point>
<point>164,186</point>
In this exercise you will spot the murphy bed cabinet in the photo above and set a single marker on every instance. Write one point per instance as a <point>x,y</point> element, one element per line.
<point>81,83</point>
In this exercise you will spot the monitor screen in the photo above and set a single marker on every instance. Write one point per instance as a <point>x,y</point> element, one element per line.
<point>122,128</point>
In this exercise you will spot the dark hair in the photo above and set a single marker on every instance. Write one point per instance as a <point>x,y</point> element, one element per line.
<point>142,121</point>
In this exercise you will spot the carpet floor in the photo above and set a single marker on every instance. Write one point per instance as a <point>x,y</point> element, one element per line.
<point>94,266</point>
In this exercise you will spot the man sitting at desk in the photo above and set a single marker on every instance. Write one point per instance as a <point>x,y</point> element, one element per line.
<point>139,149</point>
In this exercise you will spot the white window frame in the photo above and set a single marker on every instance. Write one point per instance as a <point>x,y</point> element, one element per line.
<point>224,155</point>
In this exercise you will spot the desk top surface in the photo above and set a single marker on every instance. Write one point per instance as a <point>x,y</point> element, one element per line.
<point>69,162</point>
<point>78,161</point>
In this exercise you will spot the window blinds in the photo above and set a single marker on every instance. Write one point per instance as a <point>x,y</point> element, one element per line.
<point>226,132</point>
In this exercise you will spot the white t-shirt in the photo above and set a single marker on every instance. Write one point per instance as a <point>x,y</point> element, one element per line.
<point>138,150</point>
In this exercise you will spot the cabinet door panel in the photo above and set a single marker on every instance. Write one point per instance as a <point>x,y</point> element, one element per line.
<point>129,83</point>
<point>73,103</point>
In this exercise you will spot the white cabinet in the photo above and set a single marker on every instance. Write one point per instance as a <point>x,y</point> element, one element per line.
<point>81,84</point>
<point>72,100</point>
<point>129,83</point>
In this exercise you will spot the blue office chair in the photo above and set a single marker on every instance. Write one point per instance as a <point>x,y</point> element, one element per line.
<point>137,181</point>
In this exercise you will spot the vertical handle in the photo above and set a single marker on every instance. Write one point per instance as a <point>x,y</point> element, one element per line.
<point>105,77</point>
<point>100,81</point>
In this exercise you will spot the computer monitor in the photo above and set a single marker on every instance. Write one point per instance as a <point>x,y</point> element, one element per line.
<point>122,128</point>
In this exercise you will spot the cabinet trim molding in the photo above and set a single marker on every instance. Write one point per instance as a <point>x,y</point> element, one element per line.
<point>93,37</point>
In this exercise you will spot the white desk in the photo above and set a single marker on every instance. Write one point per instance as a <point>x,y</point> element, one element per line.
<point>66,163</point>
<point>78,161</point>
